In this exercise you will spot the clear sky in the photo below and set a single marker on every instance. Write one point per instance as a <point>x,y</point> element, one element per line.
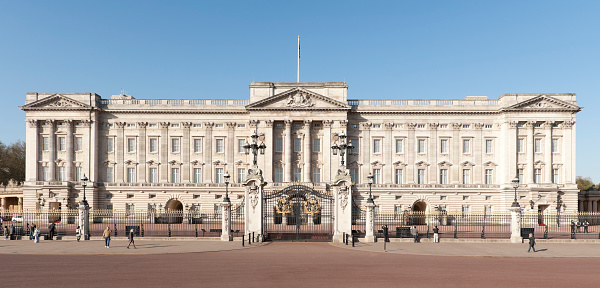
<point>383,50</point>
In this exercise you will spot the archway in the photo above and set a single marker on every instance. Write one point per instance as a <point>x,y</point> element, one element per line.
<point>419,209</point>
<point>174,211</point>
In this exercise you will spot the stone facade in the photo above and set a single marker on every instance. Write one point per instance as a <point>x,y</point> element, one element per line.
<point>424,154</point>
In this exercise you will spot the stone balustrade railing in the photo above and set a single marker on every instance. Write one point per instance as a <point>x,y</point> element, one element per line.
<point>423,103</point>
<point>173,102</point>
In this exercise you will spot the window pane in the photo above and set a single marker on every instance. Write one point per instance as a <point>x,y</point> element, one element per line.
<point>219,175</point>
<point>153,175</point>
<point>241,143</point>
<point>78,143</point>
<point>554,145</point>
<point>398,176</point>
<point>130,145</point>
<point>297,174</point>
<point>278,175</point>
<point>316,175</point>
<point>219,146</point>
<point>466,146</point>
<point>376,146</point>
<point>197,175</point>
<point>444,146</point>
<point>153,145</point>
<point>241,175</point>
<point>399,148</point>
<point>109,175</point>
<point>443,176</point>
<point>279,145</point>
<point>175,145</point>
<point>297,145</point>
<point>376,176</point>
<point>421,146</point>
<point>175,175</point>
<point>316,145</point>
<point>466,176</point>
<point>354,175</point>
<point>488,146</point>
<point>355,149</point>
<point>197,145</point>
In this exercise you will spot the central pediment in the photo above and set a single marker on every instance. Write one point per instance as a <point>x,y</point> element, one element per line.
<point>543,103</point>
<point>56,102</point>
<point>298,99</point>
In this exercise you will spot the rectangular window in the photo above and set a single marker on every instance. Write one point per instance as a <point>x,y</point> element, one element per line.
<point>465,210</point>
<point>466,146</point>
<point>465,198</point>
<point>399,146</point>
<point>537,147</point>
<point>487,210</point>
<point>78,173</point>
<point>555,176</point>
<point>297,174</point>
<point>197,145</point>
<point>376,146</point>
<point>153,145</point>
<point>297,145</point>
<point>219,146</point>
<point>278,175</point>
<point>109,175</point>
<point>520,176</point>
<point>61,173</point>
<point>376,176</point>
<point>555,145</point>
<point>488,198</point>
<point>174,175</point>
<point>218,175</point>
<point>62,146</point>
<point>78,144</point>
<point>444,146</point>
<point>489,176</point>
<point>241,175</point>
<point>153,175</point>
<point>110,145</point>
<point>466,176</point>
<point>421,146</point>
<point>488,146</point>
<point>354,175</point>
<point>521,145</point>
<point>130,175</point>
<point>279,145</point>
<point>241,143</point>
<point>175,145</point>
<point>443,176</point>
<point>316,177</point>
<point>537,176</point>
<point>197,175</point>
<point>355,145</point>
<point>316,145</point>
<point>45,173</point>
<point>130,144</point>
<point>421,176</point>
<point>398,176</point>
<point>45,145</point>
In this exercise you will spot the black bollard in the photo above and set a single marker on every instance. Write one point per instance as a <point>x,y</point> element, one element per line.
<point>249,243</point>
<point>243,241</point>
<point>253,237</point>
<point>344,237</point>
<point>352,240</point>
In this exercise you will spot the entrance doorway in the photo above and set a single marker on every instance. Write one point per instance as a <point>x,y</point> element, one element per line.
<point>541,209</point>
<point>418,217</point>
<point>174,211</point>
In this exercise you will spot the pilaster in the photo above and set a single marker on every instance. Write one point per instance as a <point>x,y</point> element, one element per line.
<point>306,151</point>
<point>142,155</point>
<point>208,152</point>
<point>69,155</point>
<point>186,171</point>
<point>288,150</point>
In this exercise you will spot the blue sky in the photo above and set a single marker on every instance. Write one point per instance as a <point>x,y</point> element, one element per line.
<point>383,50</point>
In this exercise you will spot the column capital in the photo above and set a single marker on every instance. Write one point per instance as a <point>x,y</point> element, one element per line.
<point>307,124</point>
<point>87,123</point>
<point>365,126</point>
<point>478,126</point>
<point>388,126</point>
<point>120,125</point>
<point>327,123</point>
<point>456,126</point>
<point>253,123</point>
<point>434,126</point>
<point>164,125</point>
<point>230,125</point>
<point>33,123</point>
<point>513,124</point>
<point>269,123</point>
<point>142,125</point>
<point>343,123</point>
<point>529,124</point>
<point>568,124</point>
<point>69,123</point>
<point>209,125</point>
<point>186,125</point>
<point>288,123</point>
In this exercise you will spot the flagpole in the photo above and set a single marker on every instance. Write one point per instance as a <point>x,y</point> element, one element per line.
<point>298,75</point>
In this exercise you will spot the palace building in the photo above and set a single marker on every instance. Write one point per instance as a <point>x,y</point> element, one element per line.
<point>424,155</point>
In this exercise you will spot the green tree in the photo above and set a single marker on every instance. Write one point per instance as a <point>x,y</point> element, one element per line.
<point>12,162</point>
<point>584,183</point>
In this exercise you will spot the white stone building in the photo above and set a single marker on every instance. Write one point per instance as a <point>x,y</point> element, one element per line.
<point>424,154</point>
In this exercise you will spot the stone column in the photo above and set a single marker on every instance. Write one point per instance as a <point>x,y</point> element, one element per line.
<point>478,151</point>
<point>268,164</point>
<point>207,154</point>
<point>595,206</point>
<point>388,151</point>
<point>120,150</point>
<point>230,150</point>
<point>288,150</point>
<point>568,151</point>
<point>84,220</point>
<point>530,160</point>
<point>226,221</point>
<point>253,203</point>
<point>326,148</point>
<point>185,153</point>
<point>455,154</point>
<point>70,150</point>
<point>432,152</point>
<point>343,206</point>
<point>307,153</point>
<point>365,150</point>
<point>142,152</point>
<point>370,223</point>
<point>515,225</point>
<point>33,149</point>
<point>548,151</point>
<point>52,150</point>
<point>164,152</point>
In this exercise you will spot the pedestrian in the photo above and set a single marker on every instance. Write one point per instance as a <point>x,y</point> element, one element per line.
<point>131,239</point>
<point>531,243</point>
<point>585,226</point>
<point>36,235</point>
<point>11,231</point>
<point>78,233</point>
<point>436,235</point>
<point>106,235</point>
<point>386,236</point>
<point>578,226</point>
<point>31,232</point>
<point>51,230</point>
<point>415,233</point>
<point>5,232</point>
<point>572,226</point>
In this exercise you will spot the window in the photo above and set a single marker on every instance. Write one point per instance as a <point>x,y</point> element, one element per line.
<point>218,175</point>
<point>466,176</point>
<point>355,145</point>
<point>279,175</point>
<point>109,175</point>
<point>61,173</point>
<point>62,146</point>
<point>109,207</point>
<point>537,147</point>
<point>520,176</point>
<point>555,145</point>
<point>45,146</point>
<point>376,125</point>
<point>465,210</point>
<point>488,126</point>
<point>316,145</point>
<point>153,125</point>
<point>443,176</point>
<point>487,210</point>
<point>130,144</point>
<point>398,176</point>
<point>465,198</point>
<point>153,145</point>
<point>219,125</point>
<point>376,146</point>
<point>174,175</point>
<point>443,126</point>
<point>174,125</point>
<point>297,145</point>
<point>153,175</point>
<point>376,176</point>
<point>444,146</point>
<point>354,175</point>
<point>109,145</point>
<point>537,177</point>
<point>316,177</point>
<point>130,209</point>
<point>241,125</point>
<point>78,173</point>
<point>488,198</point>
<point>130,175</point>
<point>421,176</point>
<point>555,176</point>
<point>197,145</point>
<point>278,145</point>
<point>241,175</point>
<point>399,148</point>
<point>466,126</point>
<point>466,146</point>
<point>488,146</point>
<point>78,144</point>
<point>219,145</point>
<point>443,198</point>
<point>421,126</point>
<point>421,146</point>
<point>489,176</point>
<point>197,125</point>
<point>521,145</point>
<point>241,143</point>
<point>197,175</point>
<point>175,145</point>
<point>297,174</point>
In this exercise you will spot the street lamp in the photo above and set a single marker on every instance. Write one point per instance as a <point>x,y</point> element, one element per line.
<point>226,177</point>
<point>515,182</point>
<point>255,147</point>
<point>370,177</point>
<point>343,146</point>
<point>84,184</point>
<point>559,203</point>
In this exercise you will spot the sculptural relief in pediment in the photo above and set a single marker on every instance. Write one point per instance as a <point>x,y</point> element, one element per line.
<point>298,99</point>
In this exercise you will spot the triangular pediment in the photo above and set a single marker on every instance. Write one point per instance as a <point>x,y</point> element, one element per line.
<point>545,103</point>
<point>298,99</point>
<point>56,101</point>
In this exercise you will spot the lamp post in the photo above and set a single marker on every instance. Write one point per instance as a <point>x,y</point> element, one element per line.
<point>84,212</point>
<point>84,184</point>
<point>559,203</point>
<point>226,212</point>
<point>226,177</point>
<point>343,147</point>
<point>370,199</point>
<point>515,182</point>
<point>255,147</point>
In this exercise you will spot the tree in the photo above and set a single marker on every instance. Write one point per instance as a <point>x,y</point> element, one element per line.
<point>584,183</point>
<point>12,162</point>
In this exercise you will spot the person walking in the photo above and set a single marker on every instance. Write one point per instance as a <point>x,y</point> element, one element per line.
<point>436,235</point>
<point>106,234</point>
<point>578,226</point>
<point>386,236</point>
<point>5,232</point>
<point>131,234</point>
<point>36,235</point>
<point>51,230</point>
<point>31,231</point>
<point>78,233</point>
<point>531,243</point>
<point>585,226</point>
<point>11,231</point>
<point>415,233</point>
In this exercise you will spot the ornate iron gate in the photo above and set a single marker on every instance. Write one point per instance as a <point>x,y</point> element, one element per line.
<point>298,213</point>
